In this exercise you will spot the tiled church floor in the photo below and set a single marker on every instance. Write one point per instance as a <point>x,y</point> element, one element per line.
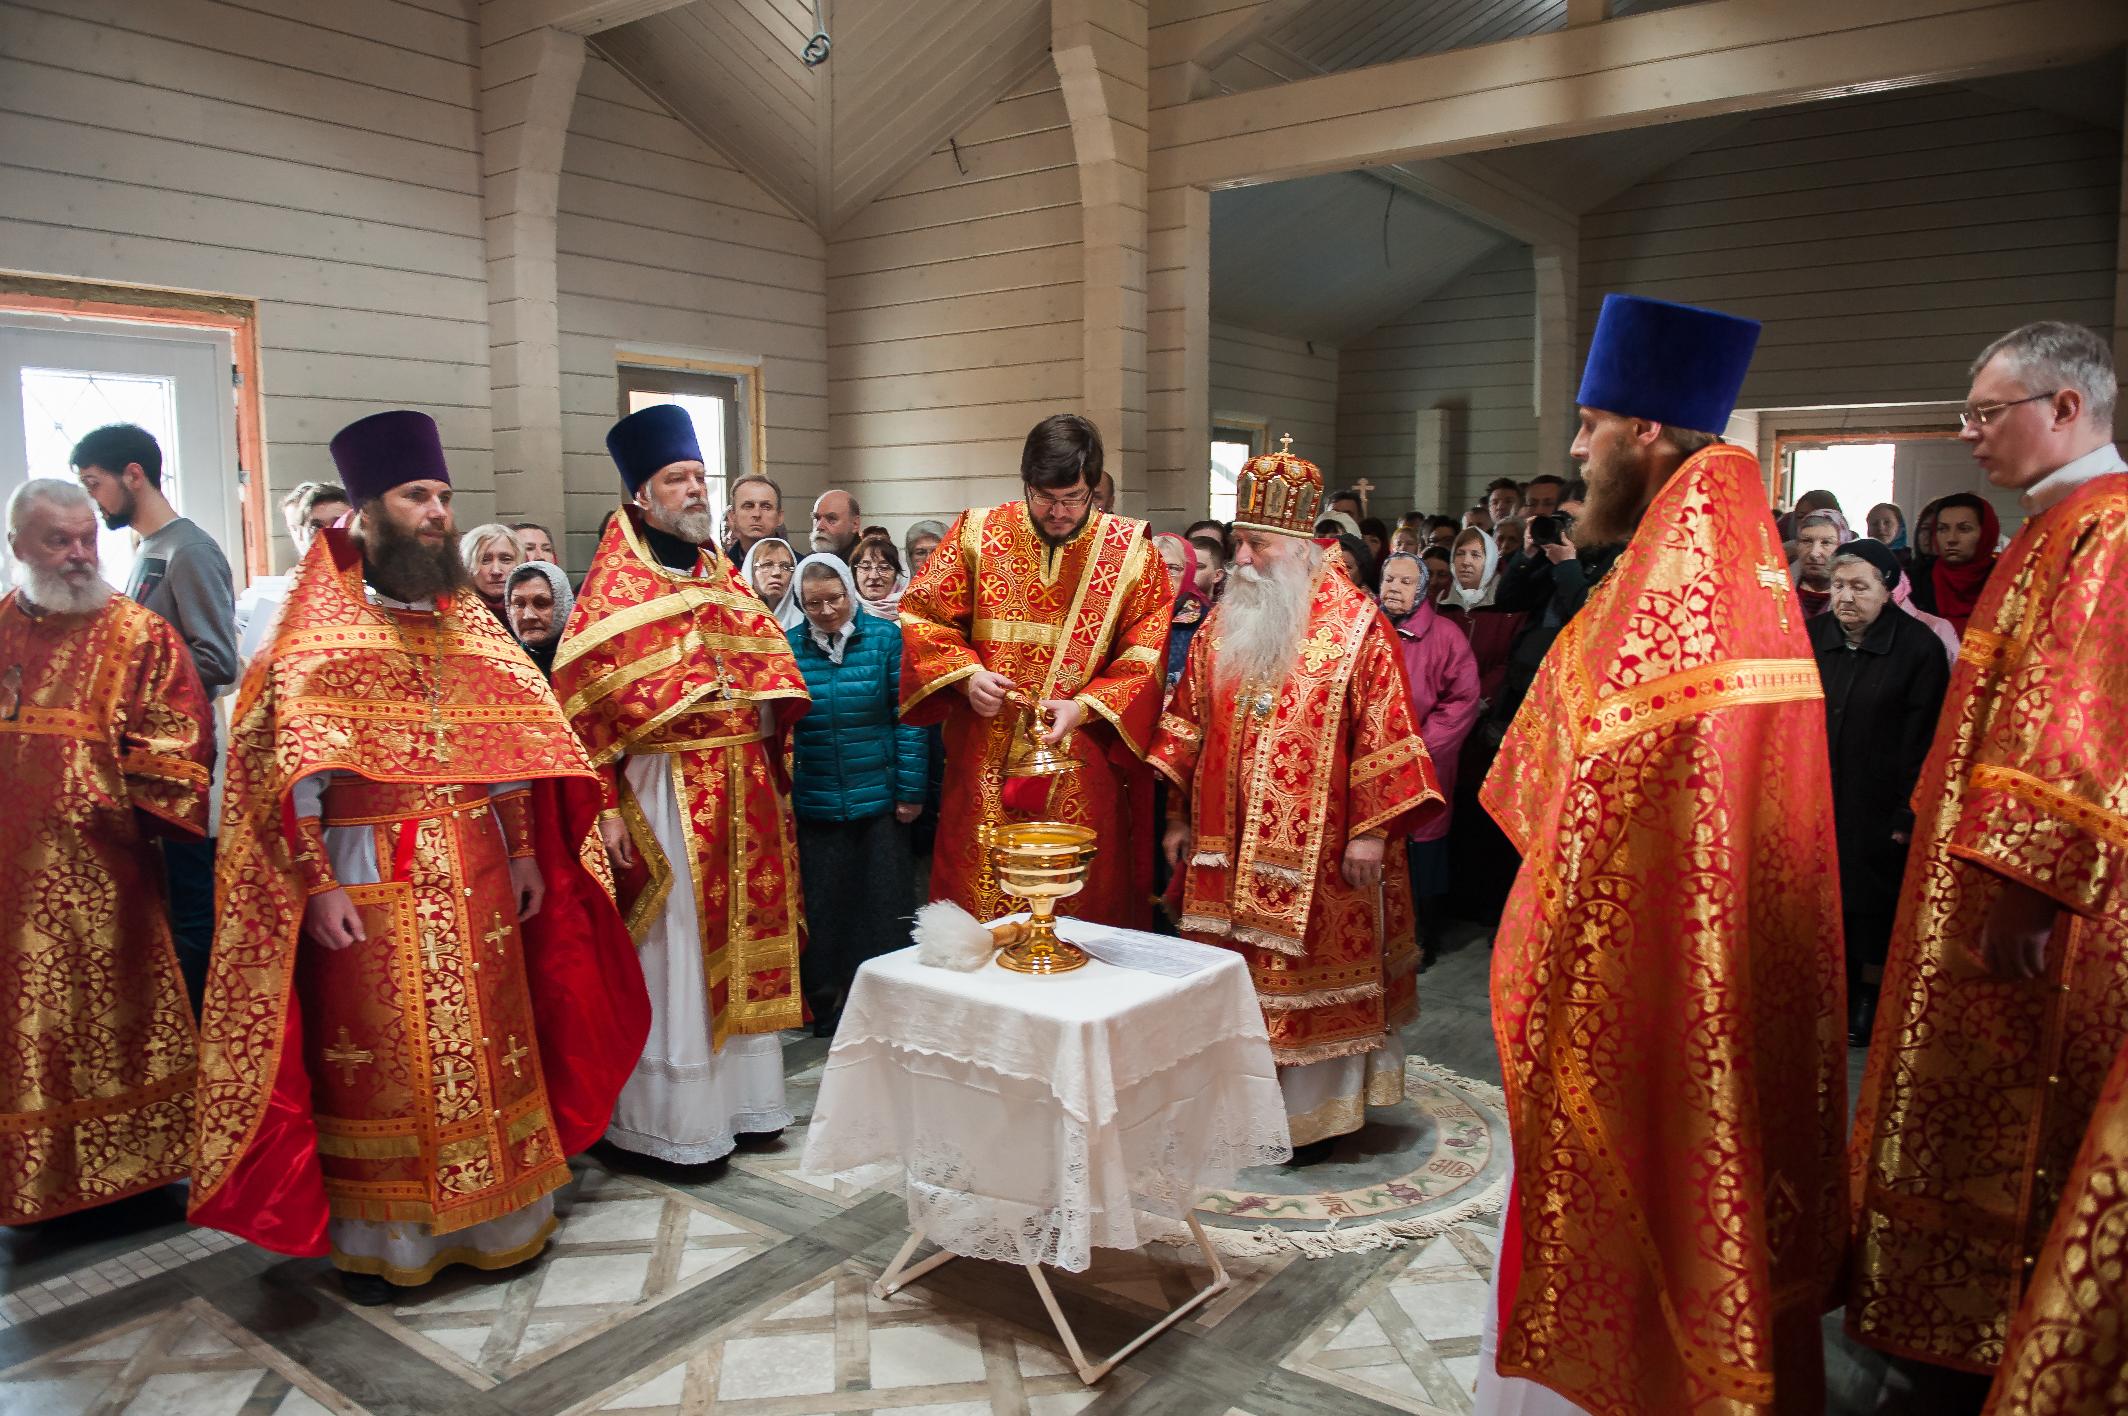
<point>744,1289</point>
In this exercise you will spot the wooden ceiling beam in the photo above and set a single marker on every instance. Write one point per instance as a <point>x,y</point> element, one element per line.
<point>1721,56</point>
<point>501,19</point>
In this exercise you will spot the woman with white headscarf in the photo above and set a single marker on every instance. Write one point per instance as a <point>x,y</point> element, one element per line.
<point>770,570</point>
<point>1443,680</point>
<point>1474,566</point>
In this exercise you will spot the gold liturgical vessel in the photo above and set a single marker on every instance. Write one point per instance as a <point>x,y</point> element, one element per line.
<point>1040,862</point>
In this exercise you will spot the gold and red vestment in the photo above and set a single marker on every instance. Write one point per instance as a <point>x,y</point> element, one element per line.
<point>1276,780</point>
<point>439,1072</point>
<point>1979,1088</point>
<point>1087,620</point>
<point>2068,1347</point>
<point>689,668</point>
<point>103,745</point>
<point>1668,981</point>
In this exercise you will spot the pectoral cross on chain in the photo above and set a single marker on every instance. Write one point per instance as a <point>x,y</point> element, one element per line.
<point>346,1056</point>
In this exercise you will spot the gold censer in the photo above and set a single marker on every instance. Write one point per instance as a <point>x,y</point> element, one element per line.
<point>1041,862</point>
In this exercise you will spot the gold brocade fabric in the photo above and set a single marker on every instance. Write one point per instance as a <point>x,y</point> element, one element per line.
<point>1668,981</point>
<point>2068,1348</point>
<point>102,724</point>
<point>429,700</point>
<point>1085,620</point>
<point>1277,782</point>
<point>691,668</point>
<point>1979,1088</point>
<point>425,1074</point>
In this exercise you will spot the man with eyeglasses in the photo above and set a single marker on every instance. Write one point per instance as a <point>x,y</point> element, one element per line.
<point>2005,995</point>
<point>1045,605</point>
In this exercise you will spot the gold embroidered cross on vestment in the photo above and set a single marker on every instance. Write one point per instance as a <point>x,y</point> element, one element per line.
<point>346,1056</point>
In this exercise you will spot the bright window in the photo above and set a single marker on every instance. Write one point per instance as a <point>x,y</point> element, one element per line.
<point>1227,458</point>
<point>1859,474</point>
<point>61,406</point>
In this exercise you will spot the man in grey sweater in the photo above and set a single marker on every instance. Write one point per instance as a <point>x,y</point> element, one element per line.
<point>181,574</point>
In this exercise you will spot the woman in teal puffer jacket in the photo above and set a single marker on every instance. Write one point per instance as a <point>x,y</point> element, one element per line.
<point>857,780</point>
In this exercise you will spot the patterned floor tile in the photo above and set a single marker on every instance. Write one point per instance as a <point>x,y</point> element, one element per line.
<point>188,1360</point>
<point>625,1245</point>
<point>1409,1336</point>
<point>830,1347</point>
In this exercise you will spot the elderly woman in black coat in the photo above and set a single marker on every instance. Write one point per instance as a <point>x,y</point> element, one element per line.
<point>1884,675</point>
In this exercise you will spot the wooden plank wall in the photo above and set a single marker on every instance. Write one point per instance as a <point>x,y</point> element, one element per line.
<point>664,243</point>
<point>954,314</point>
<point>323,159</point>
<point>1884,240</point>
<point>1468,349</point>
<point>1279,381</point>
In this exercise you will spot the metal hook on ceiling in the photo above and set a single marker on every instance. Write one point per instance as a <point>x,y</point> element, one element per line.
<point>816,49</point>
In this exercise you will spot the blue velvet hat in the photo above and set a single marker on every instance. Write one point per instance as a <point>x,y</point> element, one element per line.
<point>651,438</point>
<point>1673,364</point>
<point>384,450</point>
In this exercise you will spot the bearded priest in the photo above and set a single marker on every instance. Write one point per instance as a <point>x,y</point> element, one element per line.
<point>1668,977</point>
<point>104,746</point>
<point>1048,600</point>
<point>421,999</point>
<point>682,686</point>
<point>1297,772</point>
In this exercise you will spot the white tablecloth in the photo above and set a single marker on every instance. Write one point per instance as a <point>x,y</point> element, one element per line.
<point>1031,1119</point>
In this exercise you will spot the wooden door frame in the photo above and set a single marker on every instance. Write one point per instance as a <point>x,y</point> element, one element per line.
<point>23,293</point>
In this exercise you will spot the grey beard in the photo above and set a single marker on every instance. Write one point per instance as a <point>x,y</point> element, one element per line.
<point>50,591</point>
<point>1262,620</point>
<point>694,527</point>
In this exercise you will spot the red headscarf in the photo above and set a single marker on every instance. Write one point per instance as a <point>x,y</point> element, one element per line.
<point>1958,587</point>
<point>1189,593</point>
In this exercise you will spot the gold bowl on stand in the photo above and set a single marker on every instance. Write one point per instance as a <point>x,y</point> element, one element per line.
<point>1041,862</point>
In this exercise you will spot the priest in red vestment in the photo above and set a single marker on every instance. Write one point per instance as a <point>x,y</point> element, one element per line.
<point>682,686</point>
<point>1048,600</point>
<point>421,999</point>
<point>104,746</point>
<point>1296,772</point>
<point>2005,993</point>
<point>2067,1353</point>
<point>1668,977</point>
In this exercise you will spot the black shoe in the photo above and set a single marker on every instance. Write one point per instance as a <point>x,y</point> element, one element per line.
<point>1313,1153</point>
<point>1861,1017</point>
<point>369,1290</point>
<point>825,1027</point>
<point>758,1140</point>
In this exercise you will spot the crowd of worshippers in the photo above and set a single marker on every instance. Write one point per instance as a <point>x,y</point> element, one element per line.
<point>605,837</point>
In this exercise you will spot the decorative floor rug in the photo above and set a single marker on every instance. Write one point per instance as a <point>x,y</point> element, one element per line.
<point>1425,1165</point>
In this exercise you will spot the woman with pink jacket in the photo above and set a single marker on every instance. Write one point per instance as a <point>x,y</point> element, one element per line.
<point>1443,676</point>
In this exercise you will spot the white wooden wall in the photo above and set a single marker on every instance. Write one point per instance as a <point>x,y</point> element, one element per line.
<point>954,315</point>
<point>272,150</point>
<point>1884,240</point>
<point>1467,350</point>
<point>664,244</point>
<point>1277,380</point>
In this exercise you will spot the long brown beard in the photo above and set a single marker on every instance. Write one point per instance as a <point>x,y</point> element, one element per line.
<point>1613,508</point>
<point>398,564</point>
